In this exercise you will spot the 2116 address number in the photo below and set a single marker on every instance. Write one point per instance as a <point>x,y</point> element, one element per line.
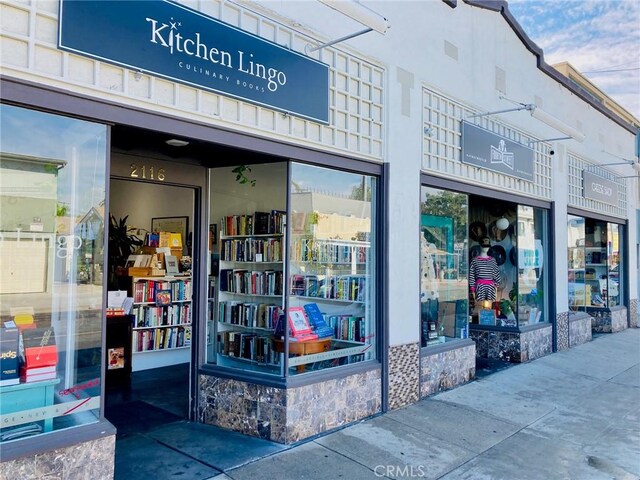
<point>146,172</point>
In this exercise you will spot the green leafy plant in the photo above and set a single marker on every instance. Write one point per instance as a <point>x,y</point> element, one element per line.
<point>241,175</point>
<point>121,245</point>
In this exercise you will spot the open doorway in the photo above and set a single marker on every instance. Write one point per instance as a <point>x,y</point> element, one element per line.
<point>147,381</point>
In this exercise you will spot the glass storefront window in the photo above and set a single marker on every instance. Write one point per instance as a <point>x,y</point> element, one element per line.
<point>323,311</point>
<point>614,277</point>
<point>246,265</point>
<point>52,198</point>
<point>595,279</point>
<point>531,262</point>
<point>443,266</point>
<point>575,253</point>
<point>507,274</point>
<point>333,269</point>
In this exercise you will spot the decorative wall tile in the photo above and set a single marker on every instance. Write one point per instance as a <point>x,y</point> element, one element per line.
<point>619,320</point>
<point>404,369</point>
<point>536,343</point>
<point>93,459</point>
<point>608,321</point>
<point>633,313</point>
<point>513,346</point>
<point>446,370</point>
<point>289,415</point>
<point>579,330</point>
<point>562,331</point>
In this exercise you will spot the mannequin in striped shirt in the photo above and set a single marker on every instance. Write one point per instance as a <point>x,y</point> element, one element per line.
<point>484,274</point>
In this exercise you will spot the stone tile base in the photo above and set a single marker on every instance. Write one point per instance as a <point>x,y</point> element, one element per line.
<point>94,460</point>
<point>404,370</point>
<point>562,331</point>
<point>634,322</point>
<point>579,329</point>
<point>445,370</point>
<point>289,415</point>
<point>608,320</point>
<point>513,346</point>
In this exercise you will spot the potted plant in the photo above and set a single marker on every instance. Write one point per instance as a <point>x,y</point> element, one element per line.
<point>121,245</point>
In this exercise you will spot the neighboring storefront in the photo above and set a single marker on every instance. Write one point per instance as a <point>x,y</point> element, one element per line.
<point>309,174</point>
<point>484,253</point>
<point>596,251</point>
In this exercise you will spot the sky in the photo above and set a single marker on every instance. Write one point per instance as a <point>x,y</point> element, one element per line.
<point>600,38</point>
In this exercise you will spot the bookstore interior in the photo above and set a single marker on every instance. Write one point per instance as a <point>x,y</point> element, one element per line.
<point>322,317</point>
<point>482,264</point>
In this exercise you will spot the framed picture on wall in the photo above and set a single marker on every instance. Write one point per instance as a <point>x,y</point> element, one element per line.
<point>172,224</point>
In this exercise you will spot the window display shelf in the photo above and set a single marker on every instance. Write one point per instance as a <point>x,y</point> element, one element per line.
<point>246,327</point>
<point>162,326</point>
<point>324,299</point>
<point>277,295</point>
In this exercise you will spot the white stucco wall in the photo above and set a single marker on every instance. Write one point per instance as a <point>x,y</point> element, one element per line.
<point>468,54</point>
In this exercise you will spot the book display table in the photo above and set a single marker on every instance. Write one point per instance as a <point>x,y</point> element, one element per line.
<point>306,347</point>
<point>27,396</point>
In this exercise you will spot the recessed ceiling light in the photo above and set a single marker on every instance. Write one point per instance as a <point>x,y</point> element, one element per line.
<point>174,142</point>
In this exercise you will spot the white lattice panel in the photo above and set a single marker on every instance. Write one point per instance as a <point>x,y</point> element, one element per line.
<point>442,148</point>
<point>28,38</point>
<point>576,191</point>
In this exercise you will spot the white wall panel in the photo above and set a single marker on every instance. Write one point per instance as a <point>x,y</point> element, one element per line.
<point>34,57</point>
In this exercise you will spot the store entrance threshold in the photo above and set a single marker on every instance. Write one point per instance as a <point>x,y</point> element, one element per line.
<point>155,440</point>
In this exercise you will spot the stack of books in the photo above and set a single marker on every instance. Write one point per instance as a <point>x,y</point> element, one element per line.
<point>317,321</point>
<point>40,355</point>
<point>9,374</point>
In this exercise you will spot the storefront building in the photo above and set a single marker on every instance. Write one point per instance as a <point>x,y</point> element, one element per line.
<point>343,187</point>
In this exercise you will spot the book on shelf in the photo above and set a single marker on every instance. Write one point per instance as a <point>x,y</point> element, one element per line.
<point>9,361</point>
<point>348,327</point>
<point>163,298</point>
<point>248,314</point>
<point>261,223</point>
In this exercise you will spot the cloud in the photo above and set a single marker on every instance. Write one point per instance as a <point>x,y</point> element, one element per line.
<point>591,35</point>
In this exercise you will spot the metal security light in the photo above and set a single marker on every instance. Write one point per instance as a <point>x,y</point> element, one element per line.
<point>539,114</point>
<point>361,14</point>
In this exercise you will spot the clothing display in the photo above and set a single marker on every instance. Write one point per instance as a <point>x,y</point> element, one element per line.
<point>484,277</point>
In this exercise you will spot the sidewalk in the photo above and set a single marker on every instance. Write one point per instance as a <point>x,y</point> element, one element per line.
<point>570,415</point>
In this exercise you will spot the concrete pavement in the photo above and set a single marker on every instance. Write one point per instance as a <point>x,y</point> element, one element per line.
<point>570,415</point>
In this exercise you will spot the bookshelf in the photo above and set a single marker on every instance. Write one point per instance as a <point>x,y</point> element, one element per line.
<point>250,289</point>
<point>333,274</point>
<point>161,332</point>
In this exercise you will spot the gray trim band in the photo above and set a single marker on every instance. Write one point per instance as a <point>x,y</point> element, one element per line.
<point>462,187</point>
<point>58,439</point>
<point>59,101</point>
<point>445,347</point>
<point>295,381</point>
<point>596,216</point>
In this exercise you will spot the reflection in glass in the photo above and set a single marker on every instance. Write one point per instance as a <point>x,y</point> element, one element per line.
<point>531,263</point>
<point>575,252</point>
<point>246,267</point>
<point>52,195</point>
<point>332,278</point>
<point>443,266</point>
<point>614,277</point>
